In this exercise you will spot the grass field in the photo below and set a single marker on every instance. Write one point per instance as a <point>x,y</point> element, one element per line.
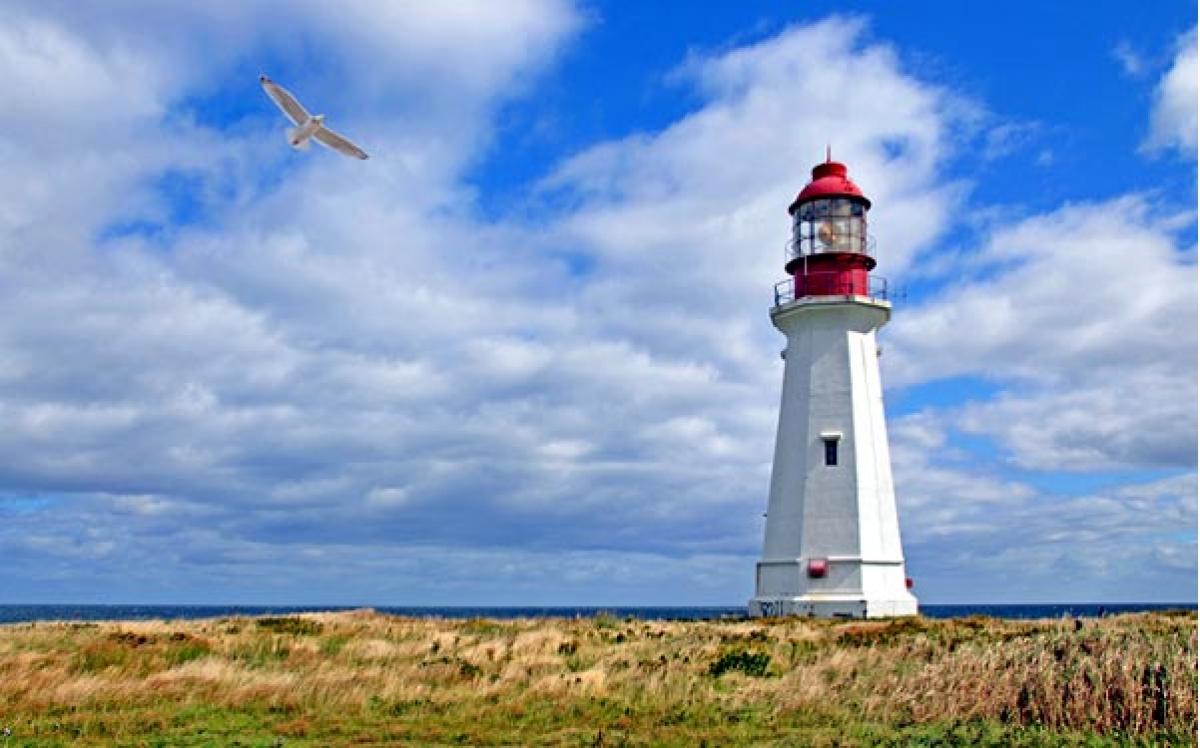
<point>360,678</point>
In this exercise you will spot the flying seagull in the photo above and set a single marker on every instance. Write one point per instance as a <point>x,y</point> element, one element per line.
<point>308,126</point>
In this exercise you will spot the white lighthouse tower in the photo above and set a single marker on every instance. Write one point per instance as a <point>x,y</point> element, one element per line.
<point>832,545</point>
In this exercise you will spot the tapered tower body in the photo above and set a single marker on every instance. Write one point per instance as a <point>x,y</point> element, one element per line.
<point>832,545</point>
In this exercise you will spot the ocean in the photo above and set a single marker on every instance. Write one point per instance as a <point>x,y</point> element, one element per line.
<point>27,613</point>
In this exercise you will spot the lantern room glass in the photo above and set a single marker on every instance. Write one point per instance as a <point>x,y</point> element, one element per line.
<point>829,225</point>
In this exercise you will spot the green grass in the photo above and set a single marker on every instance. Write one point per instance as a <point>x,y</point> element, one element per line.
<point>360,678</point>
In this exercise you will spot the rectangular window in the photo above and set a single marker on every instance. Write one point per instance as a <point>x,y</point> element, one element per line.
<point>831,451</point>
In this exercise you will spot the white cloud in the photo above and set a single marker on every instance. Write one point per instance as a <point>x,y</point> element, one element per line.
<point>1132,542</point>
<point>114,543</point>
<point>1088,316</point>
<point>683,197</point>
<point>1131,62</point>
<point>1082,324</point>
<point>344,355</point>
<point>1007,138</point>
<point>936,479</point>
<point>388,497</point>
<point>975,536</point>
<point>54,75</point>
<point>1140,420</point>
<point>341,362</point>
<point>1173,118</point>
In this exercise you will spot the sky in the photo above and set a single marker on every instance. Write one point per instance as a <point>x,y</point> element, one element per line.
<point>522,355</point>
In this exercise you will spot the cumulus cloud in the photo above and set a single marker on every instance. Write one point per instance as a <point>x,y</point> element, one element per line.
<point>972,534</point>
<point>1173,117</point>
<point>1131,62</point>
<point>1009,137</point>
<point>226,373</point>
<point>723,173</point>
<point>157,550</point>
<point>1082,324</point>
<point>1088,314</point>
<point>1132,542</point>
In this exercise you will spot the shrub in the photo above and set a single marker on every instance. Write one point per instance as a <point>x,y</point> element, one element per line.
<point>606,620</point>
<point>745,661</point>
<point>289,625</point>
<point>468,670</point>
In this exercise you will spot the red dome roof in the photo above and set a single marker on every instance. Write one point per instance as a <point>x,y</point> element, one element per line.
<point>829,180</point>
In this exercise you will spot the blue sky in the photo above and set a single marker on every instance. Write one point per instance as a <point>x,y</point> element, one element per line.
<point>522,354</point>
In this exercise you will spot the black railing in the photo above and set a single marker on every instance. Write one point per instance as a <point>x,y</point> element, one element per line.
<point>830,284</point>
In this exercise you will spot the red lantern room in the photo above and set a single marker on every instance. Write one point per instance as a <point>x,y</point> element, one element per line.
<point>830,252</point>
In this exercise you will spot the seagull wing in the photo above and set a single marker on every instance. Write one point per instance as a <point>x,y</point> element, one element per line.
<point>329,138</point>
<point>284,100</point>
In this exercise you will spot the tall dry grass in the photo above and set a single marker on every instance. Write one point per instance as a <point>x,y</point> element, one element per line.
<point>496,681</point>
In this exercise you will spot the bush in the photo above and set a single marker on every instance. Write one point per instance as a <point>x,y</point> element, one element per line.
<point>751,663</point>
<point>289,625</point>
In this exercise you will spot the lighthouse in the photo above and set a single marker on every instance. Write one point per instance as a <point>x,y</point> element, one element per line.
<point>832,540</point>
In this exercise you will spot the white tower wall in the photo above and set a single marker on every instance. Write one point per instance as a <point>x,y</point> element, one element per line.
<point>842,515</point>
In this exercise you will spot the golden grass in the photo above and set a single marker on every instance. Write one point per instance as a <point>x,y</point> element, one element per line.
<point>359,677</point>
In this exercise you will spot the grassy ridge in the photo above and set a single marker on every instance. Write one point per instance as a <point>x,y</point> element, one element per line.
<point>361,678</point>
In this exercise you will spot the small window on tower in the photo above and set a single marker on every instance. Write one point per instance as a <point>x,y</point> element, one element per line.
<point>831,451</point>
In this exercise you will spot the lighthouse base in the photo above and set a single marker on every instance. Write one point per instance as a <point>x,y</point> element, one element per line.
<point>844,587</point>
<point>833,606</point>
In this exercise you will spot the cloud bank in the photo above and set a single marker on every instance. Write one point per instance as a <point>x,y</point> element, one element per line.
<point>1173,118</point>
<point>231,374</point>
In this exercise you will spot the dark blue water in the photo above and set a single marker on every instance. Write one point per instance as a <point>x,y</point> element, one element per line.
<point>24,613</point>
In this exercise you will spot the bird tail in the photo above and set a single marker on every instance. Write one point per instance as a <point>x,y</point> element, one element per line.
<point>293,139</point>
